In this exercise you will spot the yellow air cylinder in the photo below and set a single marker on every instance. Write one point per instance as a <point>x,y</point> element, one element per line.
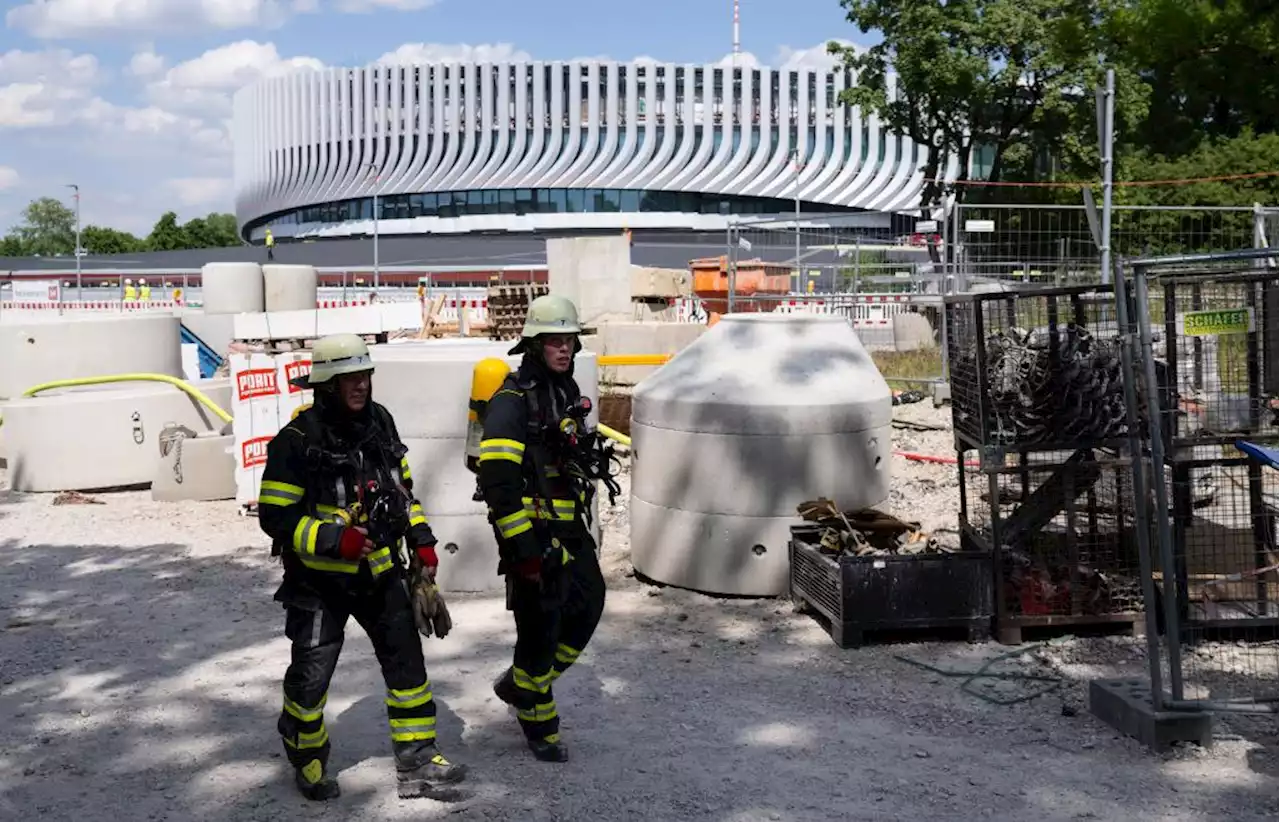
<point>486,378</point>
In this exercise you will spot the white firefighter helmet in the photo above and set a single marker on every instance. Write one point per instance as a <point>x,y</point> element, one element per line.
<point>334,355</point>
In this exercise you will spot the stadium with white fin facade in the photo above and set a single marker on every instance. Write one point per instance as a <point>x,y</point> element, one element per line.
<point>553,146</point>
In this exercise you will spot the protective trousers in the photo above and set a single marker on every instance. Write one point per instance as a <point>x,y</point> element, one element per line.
<point>554,622</point>
<point>316,630</point>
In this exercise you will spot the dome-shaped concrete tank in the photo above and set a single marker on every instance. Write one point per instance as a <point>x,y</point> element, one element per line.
<point>232,288</point>
<point>426,385</point>
<point>760,414</point>
<point>289,287</point>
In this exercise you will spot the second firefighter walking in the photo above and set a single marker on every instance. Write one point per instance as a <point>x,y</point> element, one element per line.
<point>537,469</point>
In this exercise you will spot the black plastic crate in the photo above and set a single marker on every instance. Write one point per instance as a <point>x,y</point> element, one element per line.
<point>859,595</point>
<point>1036,368</point>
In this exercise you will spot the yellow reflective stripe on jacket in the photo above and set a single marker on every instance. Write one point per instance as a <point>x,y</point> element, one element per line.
<point>335,514</point>
<point>513,525</point>
<point>405,473</point>
<point>379,563</point>
<point>416,515</point>
<point>305,535</point>
<point>281,494</point>
<point>500,449</point>
<point>557,509</point>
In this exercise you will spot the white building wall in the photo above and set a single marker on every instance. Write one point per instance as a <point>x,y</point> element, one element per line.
<point>320,136</point>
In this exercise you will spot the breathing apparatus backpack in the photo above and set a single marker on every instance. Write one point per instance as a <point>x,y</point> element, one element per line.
<point>486,378</point>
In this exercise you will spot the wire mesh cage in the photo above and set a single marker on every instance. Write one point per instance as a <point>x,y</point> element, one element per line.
<point>1061,524</point>
<point>1036,368</point>
<point>1219,370</point>
<point>1224,585</point>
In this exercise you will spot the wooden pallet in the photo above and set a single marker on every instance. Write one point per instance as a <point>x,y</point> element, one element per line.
<point>1013,630</point>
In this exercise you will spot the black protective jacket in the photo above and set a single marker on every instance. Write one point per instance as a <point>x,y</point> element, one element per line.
<point>525,471</point>
<point>318,467</point>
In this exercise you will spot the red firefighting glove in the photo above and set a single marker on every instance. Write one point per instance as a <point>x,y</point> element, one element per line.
<point>427,555</point>
<point>354,543</point>
<point>530,568</point>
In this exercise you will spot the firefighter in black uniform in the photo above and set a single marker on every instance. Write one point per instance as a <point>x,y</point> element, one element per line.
<point>537,466</point>
<point>336,499</point>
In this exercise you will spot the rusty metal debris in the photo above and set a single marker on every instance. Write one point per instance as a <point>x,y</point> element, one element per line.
<point>75,498</point>
<point>866,532</point>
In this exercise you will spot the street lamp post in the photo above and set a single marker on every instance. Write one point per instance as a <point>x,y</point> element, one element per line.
<point>799,278</point>
<point>377,183</point>
<point>79,282</point>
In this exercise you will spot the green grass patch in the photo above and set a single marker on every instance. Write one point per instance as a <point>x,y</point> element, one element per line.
<point>900,367</point>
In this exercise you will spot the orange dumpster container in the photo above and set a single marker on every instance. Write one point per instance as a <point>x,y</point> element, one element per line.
<point>753,279</point>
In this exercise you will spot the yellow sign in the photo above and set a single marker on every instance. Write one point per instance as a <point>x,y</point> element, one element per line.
<point>1215,323</point>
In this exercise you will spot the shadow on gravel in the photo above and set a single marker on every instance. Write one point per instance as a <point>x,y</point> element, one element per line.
<point>143,684</point>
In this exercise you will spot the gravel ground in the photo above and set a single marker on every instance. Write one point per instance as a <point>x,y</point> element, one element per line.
<point>141,654</point>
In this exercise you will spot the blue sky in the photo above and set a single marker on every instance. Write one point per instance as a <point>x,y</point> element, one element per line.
<point>130,99</point>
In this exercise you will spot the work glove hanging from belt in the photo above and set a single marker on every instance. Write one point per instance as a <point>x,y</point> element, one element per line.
<point>430,613</point>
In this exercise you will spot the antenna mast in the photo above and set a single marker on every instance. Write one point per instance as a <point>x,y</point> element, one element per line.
<point>737,43</point>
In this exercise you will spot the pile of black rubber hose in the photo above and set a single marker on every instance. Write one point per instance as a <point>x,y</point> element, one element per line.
<point>1062,386</point>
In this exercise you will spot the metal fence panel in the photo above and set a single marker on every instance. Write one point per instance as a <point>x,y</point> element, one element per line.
<point>1213,555</point>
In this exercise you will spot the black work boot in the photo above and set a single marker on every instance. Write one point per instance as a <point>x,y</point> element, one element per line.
<point>504,687</point>
<point>427,774</point>
<point>549,749</point>
<point>314,783</point>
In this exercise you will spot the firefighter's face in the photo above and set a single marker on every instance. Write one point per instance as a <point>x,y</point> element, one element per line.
<point>353,390</point>
<point>557,351</point>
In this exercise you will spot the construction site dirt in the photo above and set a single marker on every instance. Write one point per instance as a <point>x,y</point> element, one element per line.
<point>141,656</point>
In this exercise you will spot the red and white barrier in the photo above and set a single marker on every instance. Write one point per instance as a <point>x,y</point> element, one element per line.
<point>92,305</point>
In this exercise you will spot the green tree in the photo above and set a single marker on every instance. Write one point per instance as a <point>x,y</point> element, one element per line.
<point>48,228</point>
<point>99,240</point>
<point>11,246</point>
<point>1211,64</point>
<point>1009,76</point>
<point>167,235</point>
<point>223,227</point>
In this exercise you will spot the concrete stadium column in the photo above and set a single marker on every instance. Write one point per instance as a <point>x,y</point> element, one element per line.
<point>594,272</point>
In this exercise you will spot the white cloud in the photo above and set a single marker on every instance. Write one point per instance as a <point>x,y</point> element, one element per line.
<point>455,52</point>
<point>45,88</point>
<point>201,191</point>
<point>814,57</point>
<point>205,84</point>
<point>9,177</point>
<point>54,65</point>
<point>364,6</point>
<point>52,19</point>
<point>745,60</point>
<point>146,64</point>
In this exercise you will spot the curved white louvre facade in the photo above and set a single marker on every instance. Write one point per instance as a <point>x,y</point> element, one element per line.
<point>530,146</point>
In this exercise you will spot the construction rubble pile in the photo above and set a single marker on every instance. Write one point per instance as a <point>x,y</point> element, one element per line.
<point>867,532</point>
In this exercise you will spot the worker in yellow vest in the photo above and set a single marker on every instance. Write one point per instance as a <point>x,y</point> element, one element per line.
<point>270,241</point>
<point>130,293</point>
<point>144,291</point>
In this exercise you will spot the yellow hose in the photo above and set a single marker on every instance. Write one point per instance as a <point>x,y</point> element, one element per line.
<point>616,436</point>
<point>191,390</point>
<point>633,359</point>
